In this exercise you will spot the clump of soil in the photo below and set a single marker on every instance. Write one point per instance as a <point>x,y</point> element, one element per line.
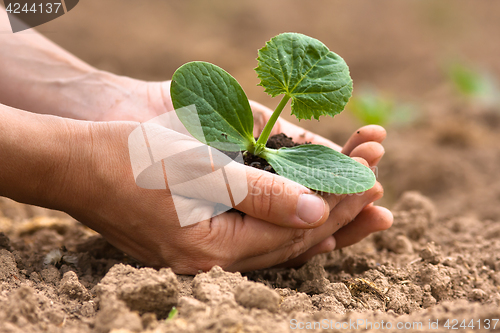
<point>274,142</point>
<point>424,267</point>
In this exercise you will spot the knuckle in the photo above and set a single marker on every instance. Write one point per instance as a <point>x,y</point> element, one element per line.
<point>343,218</point>
<point>209,249</point>
<point>263,195</point>
<point>378,190</point>
<point>298,244</point>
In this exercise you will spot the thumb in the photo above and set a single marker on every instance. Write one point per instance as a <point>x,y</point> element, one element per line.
<point>281,201</point>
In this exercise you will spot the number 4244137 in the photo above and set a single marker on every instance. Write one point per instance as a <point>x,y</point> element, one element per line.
<point>454,324</point>
<point>18,8</point>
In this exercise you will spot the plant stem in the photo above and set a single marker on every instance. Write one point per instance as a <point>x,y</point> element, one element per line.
<point>264,136</point>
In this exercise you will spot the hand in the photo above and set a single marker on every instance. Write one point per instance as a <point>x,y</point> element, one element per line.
<point>153,99</point>
<point>130,99</point>
<point>144,223</point>
<point>86,171</point>
<point>365,143</point>
<point>260,239</point>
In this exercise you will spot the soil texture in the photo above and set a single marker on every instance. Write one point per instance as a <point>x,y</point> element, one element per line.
<point>58,276</point>
<point>274,142</point>
<point>438,264</point>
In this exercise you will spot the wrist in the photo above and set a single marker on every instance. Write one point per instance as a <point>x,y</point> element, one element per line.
<point>35,149</point>
<point>96,175</point>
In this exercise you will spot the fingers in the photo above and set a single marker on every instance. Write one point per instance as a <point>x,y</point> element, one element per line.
<point>371,219</point>
<point>364,134</point>
<point>286,204</point>
<point>361,160</point>
<point>371,151</point>
<point>347,210</point>
<point>283,202</point>
<point>266,245</point>
<point>353,206</point>
<point>325,246</point>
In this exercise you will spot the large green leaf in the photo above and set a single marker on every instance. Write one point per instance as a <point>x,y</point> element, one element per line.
<point>303,68</point>
<point>321,168</point>
<point>222,108</point>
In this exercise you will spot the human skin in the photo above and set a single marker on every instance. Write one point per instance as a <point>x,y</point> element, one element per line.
<point>83,168</point>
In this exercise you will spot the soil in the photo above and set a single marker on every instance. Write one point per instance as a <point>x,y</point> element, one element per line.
<point>274,142</point>
<point>439,262</point>
<point>58,276</point>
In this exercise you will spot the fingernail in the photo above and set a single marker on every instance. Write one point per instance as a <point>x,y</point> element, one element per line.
<point>310,208</point>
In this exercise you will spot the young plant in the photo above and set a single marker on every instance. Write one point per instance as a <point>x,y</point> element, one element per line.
<point>172,314</point>
<point>303,70</point>
<point>473,84</point>
<point>371,107</point>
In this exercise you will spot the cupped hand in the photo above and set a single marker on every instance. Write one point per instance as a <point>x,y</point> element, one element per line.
<point>277,227</point>
<point>365,143</point>
<point>272,232</point>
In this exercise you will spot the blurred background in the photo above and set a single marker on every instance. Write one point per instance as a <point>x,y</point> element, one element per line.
<point>427,70</point>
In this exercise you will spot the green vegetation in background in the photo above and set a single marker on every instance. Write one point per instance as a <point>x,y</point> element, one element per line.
<point>371,107</point>
<point>473,84</point>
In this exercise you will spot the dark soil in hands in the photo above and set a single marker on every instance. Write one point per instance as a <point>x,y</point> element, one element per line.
<point>274,142</point>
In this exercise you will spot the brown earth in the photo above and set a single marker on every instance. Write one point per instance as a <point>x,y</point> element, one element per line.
<point>441,259</point>
<point>274,142</point>
<point>58,276</point>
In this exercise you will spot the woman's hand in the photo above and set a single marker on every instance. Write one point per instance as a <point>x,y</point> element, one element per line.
<point>364,144</point>
<point>271,233</point>
<point>100,191</point>
<point>84,168</point>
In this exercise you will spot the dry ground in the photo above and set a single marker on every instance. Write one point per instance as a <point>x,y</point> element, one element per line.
<point>441,259</point>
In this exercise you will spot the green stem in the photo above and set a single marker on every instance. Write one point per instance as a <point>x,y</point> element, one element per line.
<point>264,136</point>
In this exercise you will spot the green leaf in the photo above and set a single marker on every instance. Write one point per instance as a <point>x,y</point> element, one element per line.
<point>172,314</point>
<point>222,107</point>
<point>321,168</point>
<point>303,68</point>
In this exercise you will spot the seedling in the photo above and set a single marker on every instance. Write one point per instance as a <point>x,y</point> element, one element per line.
<point>473,84</point>
<point>303,70</point>
<point>371,107</point>
<point>172,314</point>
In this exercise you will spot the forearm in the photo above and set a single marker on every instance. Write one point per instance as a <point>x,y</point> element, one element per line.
<point>38,76</point>
<point>35,152</point>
